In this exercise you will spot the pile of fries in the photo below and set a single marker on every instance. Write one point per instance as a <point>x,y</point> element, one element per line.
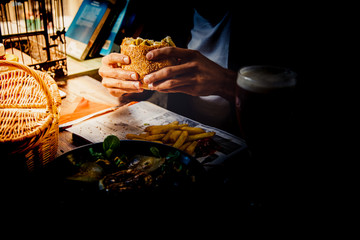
<point>180,136</point>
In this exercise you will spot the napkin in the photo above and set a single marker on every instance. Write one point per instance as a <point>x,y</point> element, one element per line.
<point>83,108</point>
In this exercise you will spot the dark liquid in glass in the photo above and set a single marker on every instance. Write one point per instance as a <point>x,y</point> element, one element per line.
<point>264,106</point>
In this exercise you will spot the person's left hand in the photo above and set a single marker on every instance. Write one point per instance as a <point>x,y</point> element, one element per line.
<point>195,74</point>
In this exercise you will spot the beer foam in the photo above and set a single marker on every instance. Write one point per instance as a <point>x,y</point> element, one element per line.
<point>265,78</point>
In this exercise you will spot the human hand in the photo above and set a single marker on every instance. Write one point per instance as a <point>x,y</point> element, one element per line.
<point>117,80</point>
<point>195,74</point>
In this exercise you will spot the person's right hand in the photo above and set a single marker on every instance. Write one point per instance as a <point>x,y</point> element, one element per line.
<point>117,80</point>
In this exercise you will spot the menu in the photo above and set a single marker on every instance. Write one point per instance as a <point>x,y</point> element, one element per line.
<point>134,118</point>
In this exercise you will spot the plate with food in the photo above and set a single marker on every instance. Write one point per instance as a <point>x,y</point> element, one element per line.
<point>117,167</point>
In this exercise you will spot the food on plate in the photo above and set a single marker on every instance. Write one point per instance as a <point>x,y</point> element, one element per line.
<point>200,136</point>
<point>126,180</point>
<point>178,135</point>
<point>88,172</point>
<point>115,168</point>
<point>137,49</point>
<point>147,163</point>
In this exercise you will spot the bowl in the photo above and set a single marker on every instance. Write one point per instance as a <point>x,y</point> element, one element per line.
<point>58,183</point>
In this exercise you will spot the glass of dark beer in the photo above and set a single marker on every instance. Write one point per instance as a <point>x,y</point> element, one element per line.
<point>264,105</point>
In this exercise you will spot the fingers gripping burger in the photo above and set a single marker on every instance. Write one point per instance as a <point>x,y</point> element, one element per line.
<point>137,49</point>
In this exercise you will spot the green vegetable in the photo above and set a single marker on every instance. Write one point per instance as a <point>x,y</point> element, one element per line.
<point>155,151</point>
<point>95,155</point>
<point>119,162</point>
<point>174,155</point>
<point>171,163</point>
<point>110,145</point>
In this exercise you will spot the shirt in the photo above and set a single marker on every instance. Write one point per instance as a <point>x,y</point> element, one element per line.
<point>213,42</point>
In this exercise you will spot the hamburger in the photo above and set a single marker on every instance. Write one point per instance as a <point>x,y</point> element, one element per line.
<point>137,49</point>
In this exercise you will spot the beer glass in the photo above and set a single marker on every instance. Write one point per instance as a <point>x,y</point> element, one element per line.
<point>264,105</point>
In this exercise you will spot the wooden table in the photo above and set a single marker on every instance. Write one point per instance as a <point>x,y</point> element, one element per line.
<point>87,85</point>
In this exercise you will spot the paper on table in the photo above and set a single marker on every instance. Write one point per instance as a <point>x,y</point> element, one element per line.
<point>84,108</point>
<point>134,118</point>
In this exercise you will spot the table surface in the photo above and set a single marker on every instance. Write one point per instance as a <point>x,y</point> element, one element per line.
<point>87,85</point>
<point>229,178</point>
<point>236,175</point>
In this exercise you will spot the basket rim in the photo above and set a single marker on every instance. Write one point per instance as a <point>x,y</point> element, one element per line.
<point>53,101</point>
<point>43,85</point>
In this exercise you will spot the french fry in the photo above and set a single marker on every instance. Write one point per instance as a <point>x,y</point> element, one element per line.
<point>167,136</point>
<point>154,137</point>
<point>174,136</point>
<point>134,136</point>
<point>150,128</point>
<point>182,138</point>
<point>193,130</point>
<point>144,134</point>
<point>200,136</point>
<point>191,148</point>
<point>166,128</point>
<point>184,146</point>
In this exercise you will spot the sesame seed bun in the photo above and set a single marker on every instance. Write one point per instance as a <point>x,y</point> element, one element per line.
<point>139,63</point>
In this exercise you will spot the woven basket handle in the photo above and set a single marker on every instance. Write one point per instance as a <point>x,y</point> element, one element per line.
<point>36,76</point>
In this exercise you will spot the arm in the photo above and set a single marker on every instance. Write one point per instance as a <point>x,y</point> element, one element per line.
<point>195,74</point>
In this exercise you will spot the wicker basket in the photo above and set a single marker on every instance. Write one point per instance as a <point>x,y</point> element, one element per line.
<point>29,116</point>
